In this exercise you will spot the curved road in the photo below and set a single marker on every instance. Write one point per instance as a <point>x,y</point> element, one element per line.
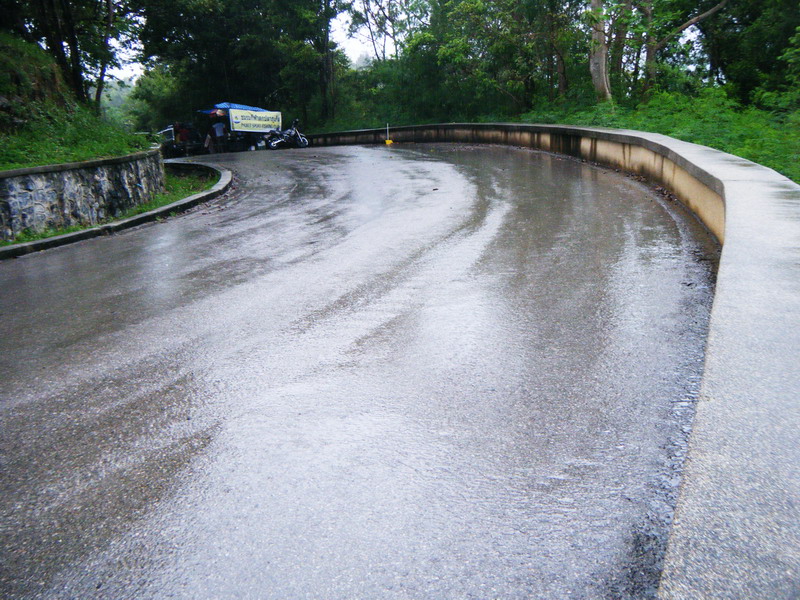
<point>408,372</point>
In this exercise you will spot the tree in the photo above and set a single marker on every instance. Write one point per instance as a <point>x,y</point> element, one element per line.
<point>657,39</point>
<point>77,34</point>
<point>216,50</point>
<point>156,100</point>
<point>105,49</point>
<point>277,53</point>
<point>310,22</point>
<point>433,58</point>
<point>54,20</point>
<point>745,48</point>
<point>388,23</point>
<point>598,52</point>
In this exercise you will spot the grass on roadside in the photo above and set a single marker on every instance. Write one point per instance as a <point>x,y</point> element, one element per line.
<point>177,187</point>
<point>53,134</point>
<point>711,119</point>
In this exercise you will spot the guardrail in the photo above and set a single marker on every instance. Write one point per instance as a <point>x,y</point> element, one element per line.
<point>736,531</point>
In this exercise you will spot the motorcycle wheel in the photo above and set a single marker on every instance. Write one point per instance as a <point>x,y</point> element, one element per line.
<point>302,142</point>
<point>273,144</point>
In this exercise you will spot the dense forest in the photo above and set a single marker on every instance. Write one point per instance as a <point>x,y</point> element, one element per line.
<point>701,68</point>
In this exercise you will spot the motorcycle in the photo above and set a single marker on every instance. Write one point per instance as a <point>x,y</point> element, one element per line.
<point>290,138</point>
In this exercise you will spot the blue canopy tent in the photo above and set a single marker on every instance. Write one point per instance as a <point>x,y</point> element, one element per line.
<point>244,118</point>
<point>246,126</point>
<point>229,105</point>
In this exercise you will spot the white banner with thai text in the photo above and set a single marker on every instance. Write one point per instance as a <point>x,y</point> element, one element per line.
<point>255,121</point>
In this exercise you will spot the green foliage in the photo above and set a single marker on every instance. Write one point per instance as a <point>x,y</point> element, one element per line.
<point>156,100</point>
<point>436,60</point>
<point>784,97</point>
<point>53,134</point>
<point>711,119</point>
<point>28,235</point>
<point>300,71</point>
<point>115,102</point>
<point>77,34</point>
<point>27,73</point>
<point>746,46</point>
<point>275,54</point>
<point>40,122</point>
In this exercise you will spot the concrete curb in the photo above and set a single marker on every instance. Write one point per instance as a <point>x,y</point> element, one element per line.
<point>225,179</point>
<point>736,530</point>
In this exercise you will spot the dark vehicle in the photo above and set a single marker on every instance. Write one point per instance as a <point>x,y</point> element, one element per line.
<point>289,138</point>
<point>180,140</point>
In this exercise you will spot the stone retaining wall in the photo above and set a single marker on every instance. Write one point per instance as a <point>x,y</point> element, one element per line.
<point>85,193</point>
<point>736,532</point>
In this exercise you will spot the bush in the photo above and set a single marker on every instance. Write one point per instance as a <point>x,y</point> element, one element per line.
<point>40,122</point>
<point>711,118</point>
<point>27,74</point>
<point>50,134</point>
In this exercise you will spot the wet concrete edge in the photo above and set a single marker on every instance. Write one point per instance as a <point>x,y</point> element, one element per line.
<point>86,164</point>
<point>219,188</point>
<point>736,529</point>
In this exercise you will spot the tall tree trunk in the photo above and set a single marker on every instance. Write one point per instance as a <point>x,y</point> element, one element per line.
<point>98,94</point>
<point>326,68</point>
<point>561,67</point>
<point>598,53</point>
<point>59,33</point>
<point>637,61</point>
<point>373,34</point>
<point>53,36</point>
<point>649,48</point>
<point>71,38</point>
<point>621,27</point>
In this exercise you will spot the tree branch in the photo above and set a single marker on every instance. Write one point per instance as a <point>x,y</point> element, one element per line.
<point>709,13</point>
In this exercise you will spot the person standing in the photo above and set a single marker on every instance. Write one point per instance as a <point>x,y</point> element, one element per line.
<point>218,133</point>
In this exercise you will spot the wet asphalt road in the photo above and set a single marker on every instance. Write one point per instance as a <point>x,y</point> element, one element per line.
<point>407,372</point>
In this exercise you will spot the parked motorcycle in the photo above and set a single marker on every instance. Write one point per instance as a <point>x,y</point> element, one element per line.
<point>290,138</point>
